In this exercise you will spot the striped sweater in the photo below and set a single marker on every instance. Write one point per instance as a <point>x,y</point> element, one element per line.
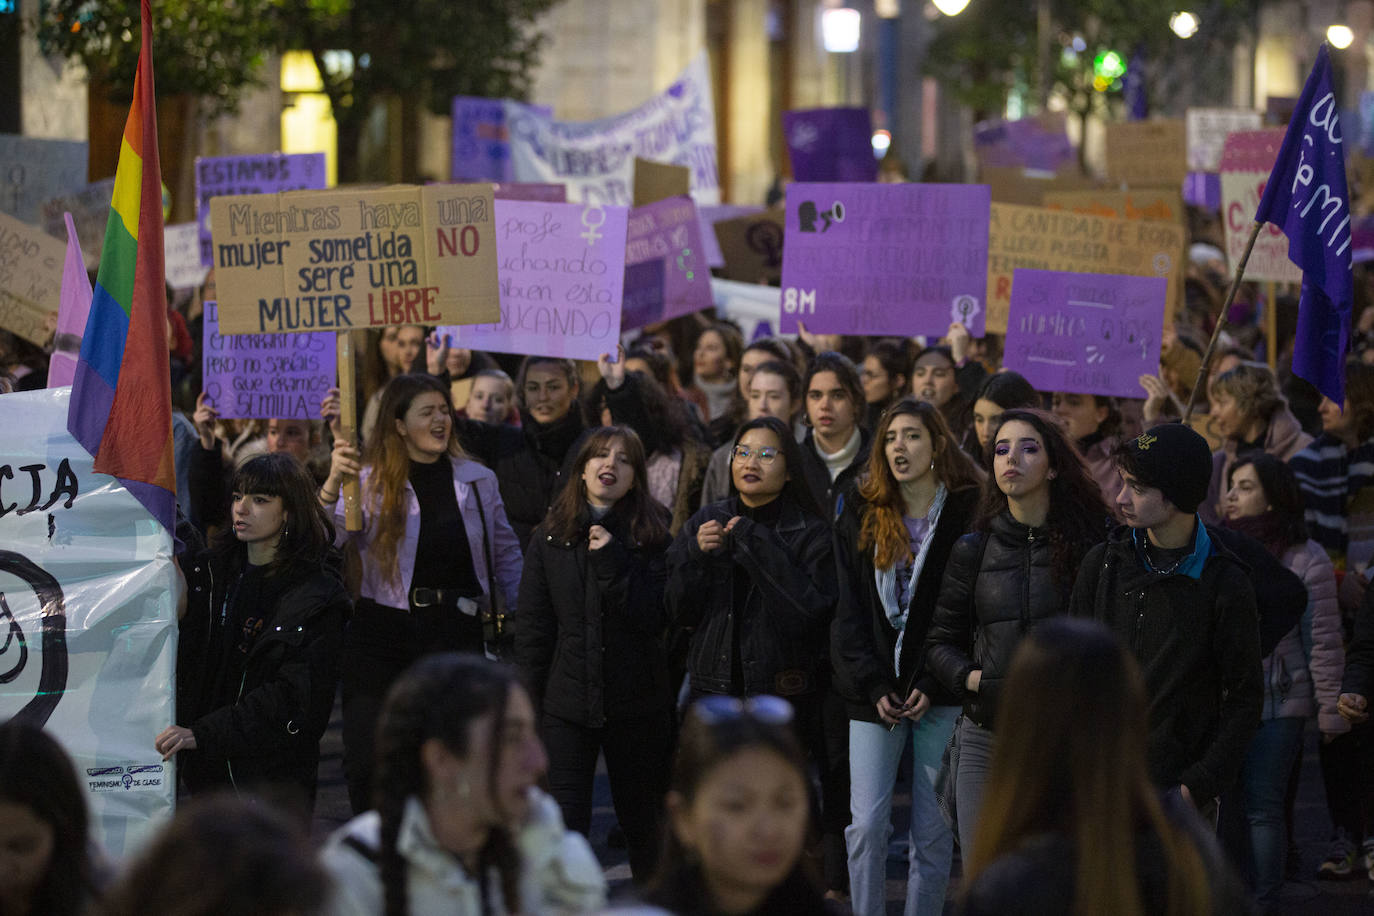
<point>1330,474</point>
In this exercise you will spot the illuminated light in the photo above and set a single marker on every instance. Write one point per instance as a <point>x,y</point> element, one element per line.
<point>1079,45</point>
<point>887,9</point>
<point>1340,36</point>
<point>950,7</point>
<point>840,30</point>
<point>882,142</point>
<point>1109,64</point>
<point>1184,24</point>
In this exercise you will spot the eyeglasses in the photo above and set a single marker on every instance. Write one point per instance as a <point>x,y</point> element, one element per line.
<point>765,455</point>
<point>764,709</point>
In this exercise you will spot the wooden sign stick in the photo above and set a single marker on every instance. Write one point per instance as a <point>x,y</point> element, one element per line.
<point>348,420</point>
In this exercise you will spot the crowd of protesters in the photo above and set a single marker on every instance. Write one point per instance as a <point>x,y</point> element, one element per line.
<point>754,577</point>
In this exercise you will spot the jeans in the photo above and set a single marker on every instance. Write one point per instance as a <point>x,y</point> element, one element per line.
<point>1264,777</point>
<point>975,758</point>
<point>874,754</point>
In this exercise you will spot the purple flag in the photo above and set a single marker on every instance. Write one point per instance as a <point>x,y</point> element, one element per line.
<point>1306,197</point>
<point>1134,91</point>
<point>72,310</point>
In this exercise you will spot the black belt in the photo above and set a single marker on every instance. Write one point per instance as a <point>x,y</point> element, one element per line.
<point>434,597</point>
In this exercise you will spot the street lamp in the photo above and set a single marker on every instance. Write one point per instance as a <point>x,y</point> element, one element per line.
<point>840,30</point>
<point>1184,24</point>
<point>1340,36</point>
<point>950,7</point>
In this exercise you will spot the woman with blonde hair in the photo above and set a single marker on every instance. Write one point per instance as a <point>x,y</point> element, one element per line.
<point>1071,822</point>
<point>436,549</point>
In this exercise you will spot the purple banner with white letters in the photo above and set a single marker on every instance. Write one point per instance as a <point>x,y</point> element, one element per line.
<point>217,176</point>
<point>830,144</point>
<point>266,376</point>
<point>1085,333</point>
<point>899,259</point>
<point>562,272</point>
<point>667,231</point>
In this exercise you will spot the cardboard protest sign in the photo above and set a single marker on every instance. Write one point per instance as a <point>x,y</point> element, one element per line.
<point>89,611</point>
<point>1163,204</point>
<point>336,260</point>
<point>830,144</point>
<point>33,170</point>
<point>1028,188</point>
<point>1206,130</point>
<point>30,279</point>
<point>181,256</point>
<point>596,158</point>
<point>266,376</point>
<point>655,181</point>
<point>525,190</point>
<point>1085,333</point>
<point>1040,143</point>
<point>1147,154</point>
<point>562,269</point>
<point>885,258</point>
<point>90,210</point>
<point>264,173</point>
<point>1246,161</point>
<point>1040,239</point>
<point>751,247</point>
<point>668,231</point>
<point>708,217</point>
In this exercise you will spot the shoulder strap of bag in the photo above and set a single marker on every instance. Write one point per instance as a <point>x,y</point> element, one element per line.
<point>486,546</point>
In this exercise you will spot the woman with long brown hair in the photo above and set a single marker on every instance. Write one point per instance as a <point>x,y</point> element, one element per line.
<point>589,637</point>
<point>1071,820</point>
<point>1038,514</point>
<point>436,549</point>
<point>915,499</point>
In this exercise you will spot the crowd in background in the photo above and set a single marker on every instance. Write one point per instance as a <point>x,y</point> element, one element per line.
<point>751,575</point>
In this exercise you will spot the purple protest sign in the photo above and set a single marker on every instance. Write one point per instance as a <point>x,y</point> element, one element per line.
<point>830,144</point>
<point>668,231</point>
<point>218,176</point>
<point>562,273</point>
<point>530,190</point>
<point>885,258</point>
<point>266,376</point>
<point>481,138</point>
<point>1085,333</point>
<point>1040,142</point>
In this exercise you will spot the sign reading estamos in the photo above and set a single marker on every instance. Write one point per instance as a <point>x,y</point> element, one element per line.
<point>340,259</point>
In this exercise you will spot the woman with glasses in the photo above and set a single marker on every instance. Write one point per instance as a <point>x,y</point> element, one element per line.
<point>915,500</point>
<point>883,373</point>
<point>738,813</point>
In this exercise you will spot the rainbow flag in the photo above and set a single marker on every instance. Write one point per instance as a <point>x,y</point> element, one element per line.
<point>121,404</point>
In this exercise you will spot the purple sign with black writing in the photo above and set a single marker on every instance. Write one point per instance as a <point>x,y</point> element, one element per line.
<point>218,176</point>
<point>830,144</point>
<point>562,270</point>
<point>1085,333</point>
<point>266,376</point>
<point>898,259</point>
<point>668,231</point>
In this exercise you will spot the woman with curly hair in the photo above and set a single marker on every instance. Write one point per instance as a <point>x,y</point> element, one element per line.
<point>1038,514</point>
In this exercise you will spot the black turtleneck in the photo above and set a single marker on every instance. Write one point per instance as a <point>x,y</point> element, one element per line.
<point>443,558</point>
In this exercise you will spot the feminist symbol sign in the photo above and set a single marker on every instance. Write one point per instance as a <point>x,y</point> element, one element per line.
<point>52,679</point>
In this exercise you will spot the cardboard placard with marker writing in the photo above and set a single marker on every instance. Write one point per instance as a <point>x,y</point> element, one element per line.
<point>30,279</point>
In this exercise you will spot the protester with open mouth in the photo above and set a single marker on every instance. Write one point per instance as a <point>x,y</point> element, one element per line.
<point>259,646</point>
<point>436,550</point>
<point>589,639</point>
<point>915,500</point>
<point>774,391</point>
<point>459,826</point>
<point>1038,515</point>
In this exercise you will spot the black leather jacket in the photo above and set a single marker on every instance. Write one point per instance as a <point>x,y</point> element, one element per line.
<point>783,623</point>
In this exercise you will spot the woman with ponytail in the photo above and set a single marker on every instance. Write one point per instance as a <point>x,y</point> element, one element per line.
<point>459,827</point>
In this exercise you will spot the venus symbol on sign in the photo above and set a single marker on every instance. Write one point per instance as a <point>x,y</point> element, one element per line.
<point>591,235</point>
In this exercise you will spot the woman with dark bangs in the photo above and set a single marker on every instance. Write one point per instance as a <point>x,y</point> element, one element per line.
<point>260,644</point>
<point>916,499</point>
<point>589,638</point>
<point>1038,515</point>
<point>1071,820</point>
<point>436,550</point>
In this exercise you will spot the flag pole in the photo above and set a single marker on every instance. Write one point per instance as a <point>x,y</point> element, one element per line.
<point>1221,323</point>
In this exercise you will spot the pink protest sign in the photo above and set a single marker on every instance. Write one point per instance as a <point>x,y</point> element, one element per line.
<point>562,270</point>
<point>266,376</point>
<point>885,258</point>
<point>1247,158</point>
<point>668,231</point>
<point>530,190</point>
<point>1085,333</point>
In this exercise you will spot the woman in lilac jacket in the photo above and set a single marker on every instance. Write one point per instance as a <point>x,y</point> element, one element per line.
<point>435,536</point>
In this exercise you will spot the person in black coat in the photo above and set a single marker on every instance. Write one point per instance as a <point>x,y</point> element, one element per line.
<point>836,445</point>
<point>589,639</point>
<point>1038,515</point>
<point>258,654</point>
<point>916,498</point>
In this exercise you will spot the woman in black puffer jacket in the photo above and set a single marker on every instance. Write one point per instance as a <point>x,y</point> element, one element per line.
<point>1038,515</point>
<point>589,638</point>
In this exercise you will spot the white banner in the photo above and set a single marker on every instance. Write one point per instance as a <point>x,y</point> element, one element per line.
<point>595,159</point>
<point>88,617</point>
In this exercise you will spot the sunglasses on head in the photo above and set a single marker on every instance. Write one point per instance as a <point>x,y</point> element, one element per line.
<point>764,709</point>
